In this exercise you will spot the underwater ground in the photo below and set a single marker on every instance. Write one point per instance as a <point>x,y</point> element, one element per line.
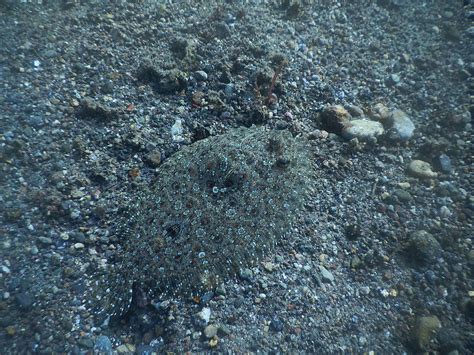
<point>236,176</point>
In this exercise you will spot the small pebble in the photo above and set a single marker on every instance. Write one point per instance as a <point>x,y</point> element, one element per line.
<point>11,330</point>
<point>213,342</point>
<point>79,246</point>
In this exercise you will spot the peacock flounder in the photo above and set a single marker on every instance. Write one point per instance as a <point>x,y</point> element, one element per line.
<point>216,206</point>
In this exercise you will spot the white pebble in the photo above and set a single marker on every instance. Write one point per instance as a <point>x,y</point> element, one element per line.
<point>78,246</point>
<point>205,314</point>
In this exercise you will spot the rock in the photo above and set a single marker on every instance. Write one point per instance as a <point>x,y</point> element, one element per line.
<point>78,237</point>
<point>421,169</point>
<point>326,274</point>
<point>423,248</point>
<point>356,262</point>
<point>401,126</point>
<point>103,345</point>
<point>445,212</point>
<point>335,118</point>
<point>154,158</point>
<point>200,75</point>
<point>210,331</point>
<point>364,130</point>
<point>246,274</point>
<point>423,331</point>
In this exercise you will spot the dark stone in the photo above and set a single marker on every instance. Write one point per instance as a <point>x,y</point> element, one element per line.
<point>423,248</point>
<point>78,237</point>
<point>206,298</point>
<point>154,158</point>
<point>335,118</point>
<point>89,109</point>
<point>276,324</point>
<point>86,342</point>
<point>353,231</point>
<point>163,81</point>
<point>403,196</point>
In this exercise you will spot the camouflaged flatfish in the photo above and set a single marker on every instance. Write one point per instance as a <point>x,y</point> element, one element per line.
<point>215,207</point>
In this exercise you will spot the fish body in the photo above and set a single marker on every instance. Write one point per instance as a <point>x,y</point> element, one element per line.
<point>216,206</point>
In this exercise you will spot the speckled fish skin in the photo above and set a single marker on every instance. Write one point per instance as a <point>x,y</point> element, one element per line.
<point>215,207</point>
